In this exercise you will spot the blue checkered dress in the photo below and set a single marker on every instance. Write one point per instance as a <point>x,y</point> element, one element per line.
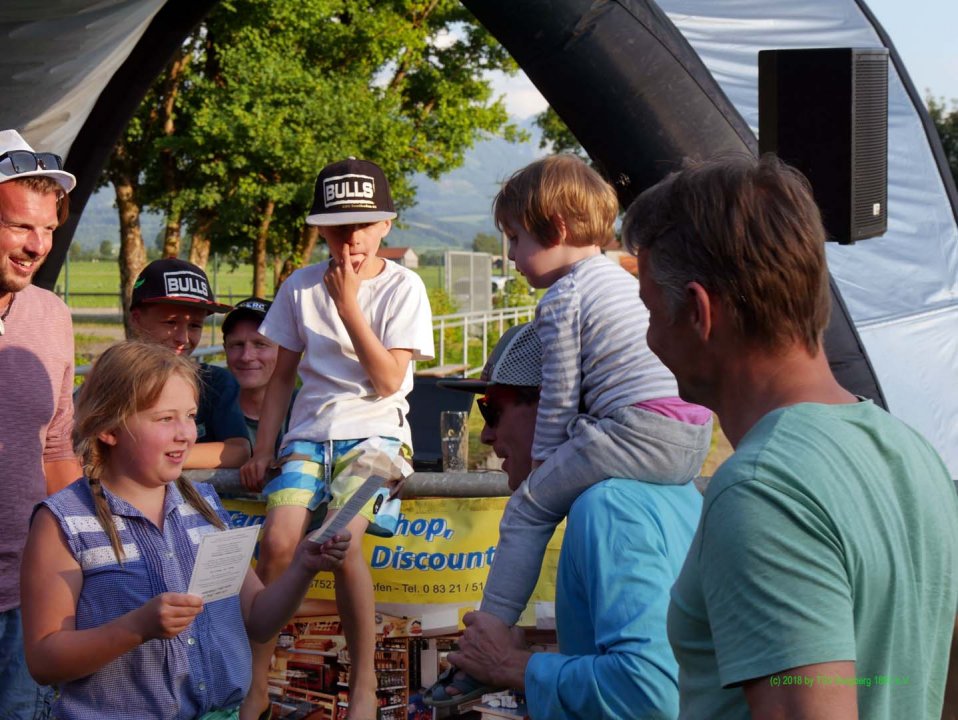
<point>206,667</point>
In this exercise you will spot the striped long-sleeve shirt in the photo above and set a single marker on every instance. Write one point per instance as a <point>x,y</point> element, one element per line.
<point>592,325</point>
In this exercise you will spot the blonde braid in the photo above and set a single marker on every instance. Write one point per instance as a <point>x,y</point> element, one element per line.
<point>192,496</point>
<point>105,518</point>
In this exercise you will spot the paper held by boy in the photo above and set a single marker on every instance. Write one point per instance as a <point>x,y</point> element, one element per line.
<point>377,466</point>
<point>223,558</point>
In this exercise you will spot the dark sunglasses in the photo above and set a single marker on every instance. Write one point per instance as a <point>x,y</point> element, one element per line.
<point>24,161</point>
<point>490,413</point>
<point>512,395</point>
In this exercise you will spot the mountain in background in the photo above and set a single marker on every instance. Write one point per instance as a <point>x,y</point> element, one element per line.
<point>451,211</point>
<point>448,214</point>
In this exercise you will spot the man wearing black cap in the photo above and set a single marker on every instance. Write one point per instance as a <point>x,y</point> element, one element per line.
<point>171,300</point>
<point>36,375</point>
<point>251,357</point>
<point>624,544</point>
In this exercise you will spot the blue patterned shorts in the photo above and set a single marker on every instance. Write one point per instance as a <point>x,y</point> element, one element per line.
<point>307,479</point>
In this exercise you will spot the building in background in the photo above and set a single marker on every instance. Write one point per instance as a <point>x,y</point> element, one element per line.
<point>405,256</point>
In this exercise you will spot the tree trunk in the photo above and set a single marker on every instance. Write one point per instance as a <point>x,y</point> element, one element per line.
<point>200,240</point>
<point>309,238</point>
<point>259,251</point>
<point>277,271</point>
<point>305,245</point>
<point>171,88</point>
<point>132,256</point>
<point>171,235</point>
<point>200,249</point>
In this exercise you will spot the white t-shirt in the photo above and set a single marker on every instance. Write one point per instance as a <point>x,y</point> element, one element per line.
<point>337,400</point>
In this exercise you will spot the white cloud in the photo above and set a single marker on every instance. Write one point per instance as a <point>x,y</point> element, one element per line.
<point>522,98</point>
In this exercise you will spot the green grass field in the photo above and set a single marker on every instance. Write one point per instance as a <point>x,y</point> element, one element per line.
<point>96,283</point>
<point>431,275</point>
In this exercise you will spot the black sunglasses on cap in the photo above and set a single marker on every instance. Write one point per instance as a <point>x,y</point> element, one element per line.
<point>24,161</point>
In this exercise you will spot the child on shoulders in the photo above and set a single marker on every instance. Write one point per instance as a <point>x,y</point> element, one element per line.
<point>608,407</point>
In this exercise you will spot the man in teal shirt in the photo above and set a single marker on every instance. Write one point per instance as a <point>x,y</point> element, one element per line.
<point>624,544</point>
<point>823,577</point>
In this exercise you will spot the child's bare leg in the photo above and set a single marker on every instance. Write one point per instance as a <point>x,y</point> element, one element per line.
<point>357,610</point>
<point>282,532</point>
<point>284,528</point>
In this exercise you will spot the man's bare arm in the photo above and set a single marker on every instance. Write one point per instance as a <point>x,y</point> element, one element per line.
<point>231,453</point>
<point>60,473</point>
<point>818,695</point>
<point>950,709</point>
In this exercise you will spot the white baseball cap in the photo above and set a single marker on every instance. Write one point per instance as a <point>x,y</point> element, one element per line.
<point>19,160</point>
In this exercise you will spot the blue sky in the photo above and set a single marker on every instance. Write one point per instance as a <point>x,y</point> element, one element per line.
<point>923,32</point>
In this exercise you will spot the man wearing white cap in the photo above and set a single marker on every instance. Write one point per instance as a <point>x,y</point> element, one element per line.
<point>36,374</point>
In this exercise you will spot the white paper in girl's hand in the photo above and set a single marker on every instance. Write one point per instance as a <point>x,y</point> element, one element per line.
<point>221,563</point>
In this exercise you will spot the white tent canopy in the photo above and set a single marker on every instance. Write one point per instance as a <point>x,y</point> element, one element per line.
<point>901,289</point>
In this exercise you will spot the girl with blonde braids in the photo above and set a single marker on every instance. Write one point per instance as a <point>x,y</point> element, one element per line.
<point>105,610</point>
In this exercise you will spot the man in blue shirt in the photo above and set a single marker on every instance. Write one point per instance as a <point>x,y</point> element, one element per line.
<point>624,544</point>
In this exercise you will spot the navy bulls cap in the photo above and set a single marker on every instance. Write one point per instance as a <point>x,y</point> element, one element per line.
<point>175,282</point>
<point>351,191</point>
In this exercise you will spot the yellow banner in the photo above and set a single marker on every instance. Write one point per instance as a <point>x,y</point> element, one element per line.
<point>441,551</point>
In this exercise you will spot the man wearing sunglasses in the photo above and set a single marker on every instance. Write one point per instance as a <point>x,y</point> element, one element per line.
<point>624,545</point>
<point>36,381</point>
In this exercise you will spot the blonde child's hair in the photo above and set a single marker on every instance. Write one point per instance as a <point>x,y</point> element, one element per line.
<point>559,185</point>
<point>125,379</point>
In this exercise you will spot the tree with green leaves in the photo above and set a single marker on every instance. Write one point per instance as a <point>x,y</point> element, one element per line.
<point>487,243</point>
<point>138,167</point>
<point>946,122</point>
<point>517,293</point>
<point>431,258</point>
<point>556,136</point>
<point>105,250</point>
<point>263,94</point>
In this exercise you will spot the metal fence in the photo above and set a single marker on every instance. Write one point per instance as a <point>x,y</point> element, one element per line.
<point>469,280</point>
<point>463,340</point>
